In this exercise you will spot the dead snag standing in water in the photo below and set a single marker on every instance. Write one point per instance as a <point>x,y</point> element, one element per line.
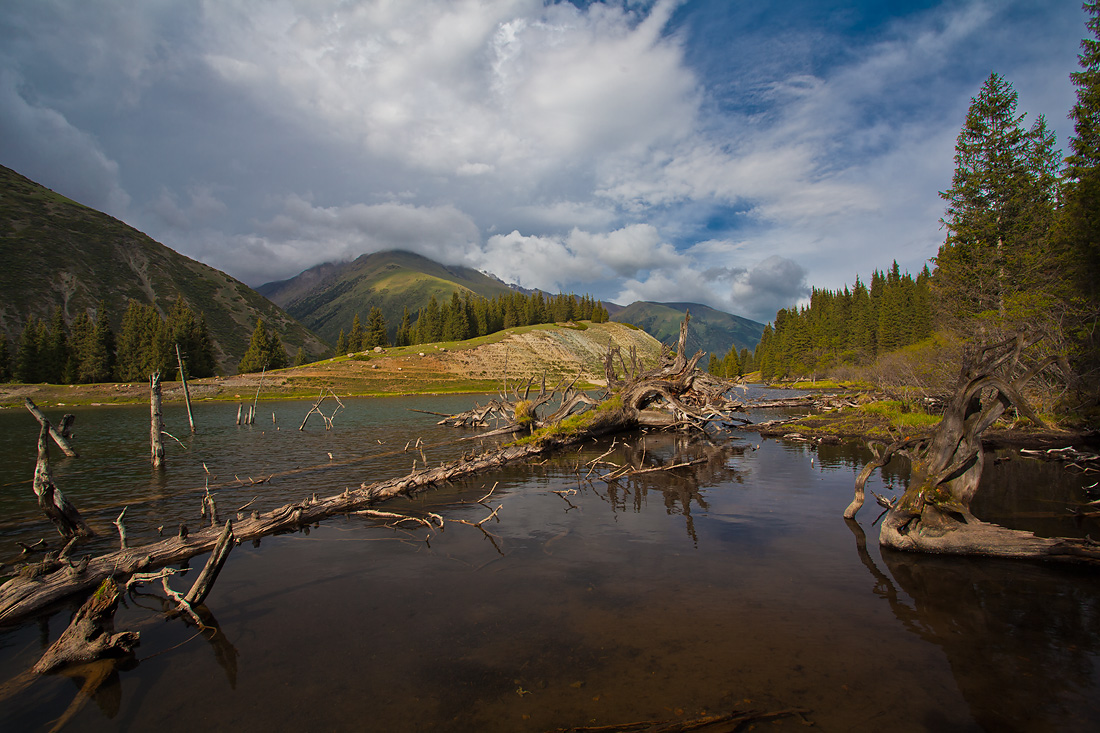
<point>59,437</point>
<point>50,499</point>
<point>933,515</point>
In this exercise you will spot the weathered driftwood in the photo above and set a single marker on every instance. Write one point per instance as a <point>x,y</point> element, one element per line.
<point>933,515</point>
<point>21,596</point>
<point>205,582</point>
<point>675,395</point>
<point>90,636</point>
<point>50,499</point>
<point>58,437</point>
<point>317,408</point>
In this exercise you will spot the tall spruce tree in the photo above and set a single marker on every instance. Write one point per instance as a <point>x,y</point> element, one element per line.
<point>999,206</point>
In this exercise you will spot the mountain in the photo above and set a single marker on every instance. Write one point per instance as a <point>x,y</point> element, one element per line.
<point>326,298</point>
<point>711,330</point>
<point>57,252</point>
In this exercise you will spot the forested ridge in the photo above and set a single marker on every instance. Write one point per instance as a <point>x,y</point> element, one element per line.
<point>1021,251</point>
<point>469,316</point>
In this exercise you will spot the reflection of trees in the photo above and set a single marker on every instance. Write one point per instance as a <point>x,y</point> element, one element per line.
<point>679,487</point>
<point>1021,641</point>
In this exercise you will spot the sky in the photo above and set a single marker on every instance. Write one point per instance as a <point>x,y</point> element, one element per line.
<point>727,152</point>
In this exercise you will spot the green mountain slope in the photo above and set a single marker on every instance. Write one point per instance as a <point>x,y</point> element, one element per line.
<point>713,331</point>
<point>56,252</point>
<point>326,297</point>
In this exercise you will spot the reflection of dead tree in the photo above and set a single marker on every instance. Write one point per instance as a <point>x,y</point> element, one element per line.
<point>317,408</point>
<point>934,513</point>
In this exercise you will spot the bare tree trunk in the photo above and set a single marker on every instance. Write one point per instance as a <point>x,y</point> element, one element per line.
<point>156,422</point>
<point>186,391</point>
<point>50,499</point>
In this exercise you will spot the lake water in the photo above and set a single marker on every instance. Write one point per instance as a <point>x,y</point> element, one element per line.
<point>735,583</point>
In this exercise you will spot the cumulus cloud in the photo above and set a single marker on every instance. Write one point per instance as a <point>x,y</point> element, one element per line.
<point>581,257</point>
<point>302,234</point>
<point>658,150</point>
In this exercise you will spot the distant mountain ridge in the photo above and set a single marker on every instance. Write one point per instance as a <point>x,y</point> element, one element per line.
<point>326,298</point>
<point>57,252</point>
<point>711,330</point>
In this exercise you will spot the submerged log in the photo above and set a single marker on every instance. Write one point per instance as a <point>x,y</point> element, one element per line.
<point>90,636</point>
<point>933,515</point>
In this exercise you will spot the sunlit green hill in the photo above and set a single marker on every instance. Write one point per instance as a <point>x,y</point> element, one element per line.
<point>326,298</point>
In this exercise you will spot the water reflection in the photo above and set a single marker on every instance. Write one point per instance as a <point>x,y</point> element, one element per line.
<point>1004,625</point>
<point>590,603</point>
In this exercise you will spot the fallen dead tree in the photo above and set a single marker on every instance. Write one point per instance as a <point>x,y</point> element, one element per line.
<point>674,395</point>
<point>933,515</point>
<point>42,584</point>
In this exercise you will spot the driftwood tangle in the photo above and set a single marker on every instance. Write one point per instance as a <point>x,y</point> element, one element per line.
<point>674,395</point>
<point>933,515</point>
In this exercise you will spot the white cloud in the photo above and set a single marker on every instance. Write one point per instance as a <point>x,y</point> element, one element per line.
<point>554,263</point>
<point>301,235</point>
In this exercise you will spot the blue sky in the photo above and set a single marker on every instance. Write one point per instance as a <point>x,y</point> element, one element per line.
<point>731,153</point>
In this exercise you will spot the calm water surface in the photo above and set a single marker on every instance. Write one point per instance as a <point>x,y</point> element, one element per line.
<point>664,596</point>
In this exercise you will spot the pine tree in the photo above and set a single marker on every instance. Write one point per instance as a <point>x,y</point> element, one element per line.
<point>1076,237</point>
<point>376,329</point>
<point>999,206</point>
<point>27,356</point>
<point>713,365</point>
<point>403,337</point>
<point>300,357</point>
<point>356,341</point>
<point>258,355</point>
<point>341,344</point>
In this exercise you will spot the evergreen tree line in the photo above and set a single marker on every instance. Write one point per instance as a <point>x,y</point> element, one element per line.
<point>468,316</point>
<point>848,326</point>
<point>1022,249</point>
<point>87,350</point>
<point>734,364</point>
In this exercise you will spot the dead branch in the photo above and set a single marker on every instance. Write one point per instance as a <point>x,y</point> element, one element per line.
<point>58,438</point>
